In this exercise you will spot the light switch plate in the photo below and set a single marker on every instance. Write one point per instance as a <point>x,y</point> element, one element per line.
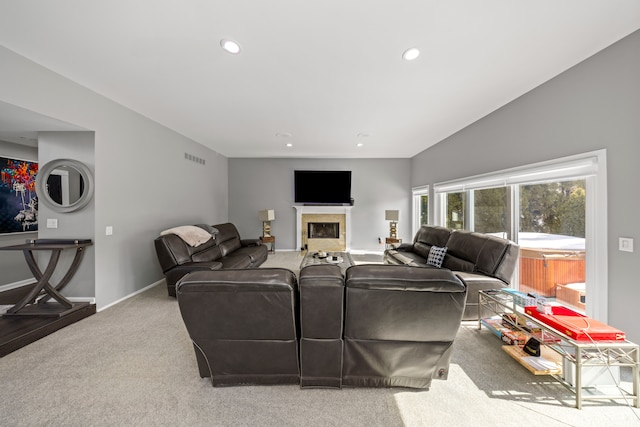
<point>625,244</point>
<point>52,223</point>
<point>109,230</point>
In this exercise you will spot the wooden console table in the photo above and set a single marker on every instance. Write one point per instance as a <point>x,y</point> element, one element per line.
<point>35,302</point>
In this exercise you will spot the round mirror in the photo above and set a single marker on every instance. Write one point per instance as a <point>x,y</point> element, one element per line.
<point>64,185</point>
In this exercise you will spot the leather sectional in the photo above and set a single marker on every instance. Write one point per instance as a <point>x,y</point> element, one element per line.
<point>481,260</point>
<point>374,326</point>
<point>225,250</point>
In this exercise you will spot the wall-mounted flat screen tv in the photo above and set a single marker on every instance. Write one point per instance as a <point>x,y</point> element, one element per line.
<point>322,187</point>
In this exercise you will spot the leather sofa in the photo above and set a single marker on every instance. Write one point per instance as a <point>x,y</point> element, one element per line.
<point>243,324</point>
<point>376,326</point>
<point>384,326</point>
<point>226,250</point>
<point>481,260</point>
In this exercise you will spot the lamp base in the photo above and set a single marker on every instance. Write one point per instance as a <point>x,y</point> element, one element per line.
<point>393,230</point>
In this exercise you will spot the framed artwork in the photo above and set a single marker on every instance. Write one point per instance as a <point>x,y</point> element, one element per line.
<point>18,200</point>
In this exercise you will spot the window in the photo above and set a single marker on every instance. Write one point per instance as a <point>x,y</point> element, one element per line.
<point>552,240</point>
<point>456,210</point>
<point>549,209</point>
<point>420,207</point>
<point>491,211</point>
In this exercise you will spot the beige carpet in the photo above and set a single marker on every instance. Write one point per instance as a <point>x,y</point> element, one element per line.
<point>133,364</point>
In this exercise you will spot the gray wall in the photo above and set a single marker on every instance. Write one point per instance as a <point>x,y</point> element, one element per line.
<point>144,184</point>
<point>72,225</point>
<point>376,185</point>
<point>12,264</point>
<point>594,105</point>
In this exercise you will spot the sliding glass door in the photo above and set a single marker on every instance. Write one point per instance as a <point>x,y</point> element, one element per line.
<point>552,240</point>
<point>549,209</point>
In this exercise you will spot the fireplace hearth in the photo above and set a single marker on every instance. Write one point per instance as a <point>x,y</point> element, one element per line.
<point>323,214</point>
<point>323,230</point>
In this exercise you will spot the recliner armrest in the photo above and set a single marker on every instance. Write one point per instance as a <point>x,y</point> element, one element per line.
<point>250,242</point>
<point>405,247</point>
<point>176,273</point>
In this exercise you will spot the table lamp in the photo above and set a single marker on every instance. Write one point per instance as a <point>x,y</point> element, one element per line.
<point>266,216</point>
<point>392,216</point>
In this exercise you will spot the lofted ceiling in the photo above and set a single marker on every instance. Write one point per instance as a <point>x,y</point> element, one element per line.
<point>323,76</point>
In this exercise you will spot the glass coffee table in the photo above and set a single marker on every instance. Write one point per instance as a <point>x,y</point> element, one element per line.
<point>341,259</point>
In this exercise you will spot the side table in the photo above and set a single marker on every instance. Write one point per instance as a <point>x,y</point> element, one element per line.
<point>35,302</point>
<point>390,242</point>
<point>271,240</point>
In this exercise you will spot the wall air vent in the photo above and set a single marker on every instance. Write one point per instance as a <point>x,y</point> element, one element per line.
<point>193,158</point>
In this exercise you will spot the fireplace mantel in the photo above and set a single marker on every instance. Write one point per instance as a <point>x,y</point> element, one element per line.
<point>307,209</point>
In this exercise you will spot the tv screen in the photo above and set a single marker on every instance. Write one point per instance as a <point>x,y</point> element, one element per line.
<point>322,187</point>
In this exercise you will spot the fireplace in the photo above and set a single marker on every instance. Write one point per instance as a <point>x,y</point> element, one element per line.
<point>328,237</point>
<point>323,230</point>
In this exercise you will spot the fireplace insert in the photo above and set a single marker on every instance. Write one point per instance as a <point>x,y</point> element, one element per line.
<point>323,230</point>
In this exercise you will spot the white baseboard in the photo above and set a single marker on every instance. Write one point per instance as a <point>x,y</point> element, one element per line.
<point>90,300</point>
<point>139,291</point>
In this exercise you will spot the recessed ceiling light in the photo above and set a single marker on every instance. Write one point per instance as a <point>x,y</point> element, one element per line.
<point>288,144</point>
<point>230,46</point>
<point>359,144</point>
<point>410,54</point>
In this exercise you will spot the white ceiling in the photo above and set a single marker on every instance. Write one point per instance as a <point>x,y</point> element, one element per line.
<point>22,126</point>
<point>319,72</point>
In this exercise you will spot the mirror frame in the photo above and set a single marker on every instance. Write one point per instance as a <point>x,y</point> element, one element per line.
<point>43,194</point>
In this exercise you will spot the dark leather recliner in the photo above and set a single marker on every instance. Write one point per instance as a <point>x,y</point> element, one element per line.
<point>481,260</point>
<point>225,250</point>
<point>243,324</point>
<point>386,326</point>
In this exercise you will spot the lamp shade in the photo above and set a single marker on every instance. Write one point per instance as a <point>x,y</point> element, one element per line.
<point>391,215</point>
<point>267,215</point>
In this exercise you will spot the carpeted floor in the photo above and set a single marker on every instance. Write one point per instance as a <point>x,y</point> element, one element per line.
<point>133,364</point>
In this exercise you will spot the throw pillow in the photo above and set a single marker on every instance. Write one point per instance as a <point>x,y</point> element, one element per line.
<point>436,256</point>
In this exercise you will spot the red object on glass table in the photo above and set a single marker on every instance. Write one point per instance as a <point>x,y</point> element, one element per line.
<point>575,325</point>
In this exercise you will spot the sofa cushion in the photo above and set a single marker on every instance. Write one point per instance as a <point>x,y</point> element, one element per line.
<point>432,235</point>
<point>477,282</point>
<point>436,255</point>
<point>491,255</point>
<point>465,245</point>
<point>457,264</point>
<point>172,251</point>
<point>404,258</point>
<point>421,249</point>
<point>243,324</point>
<point>228,238</point>
<point>248,256</point>
<point>399,325</point>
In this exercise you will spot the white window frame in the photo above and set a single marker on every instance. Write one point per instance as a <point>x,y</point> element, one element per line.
<point>417,193</point>
<point>593,166</point>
